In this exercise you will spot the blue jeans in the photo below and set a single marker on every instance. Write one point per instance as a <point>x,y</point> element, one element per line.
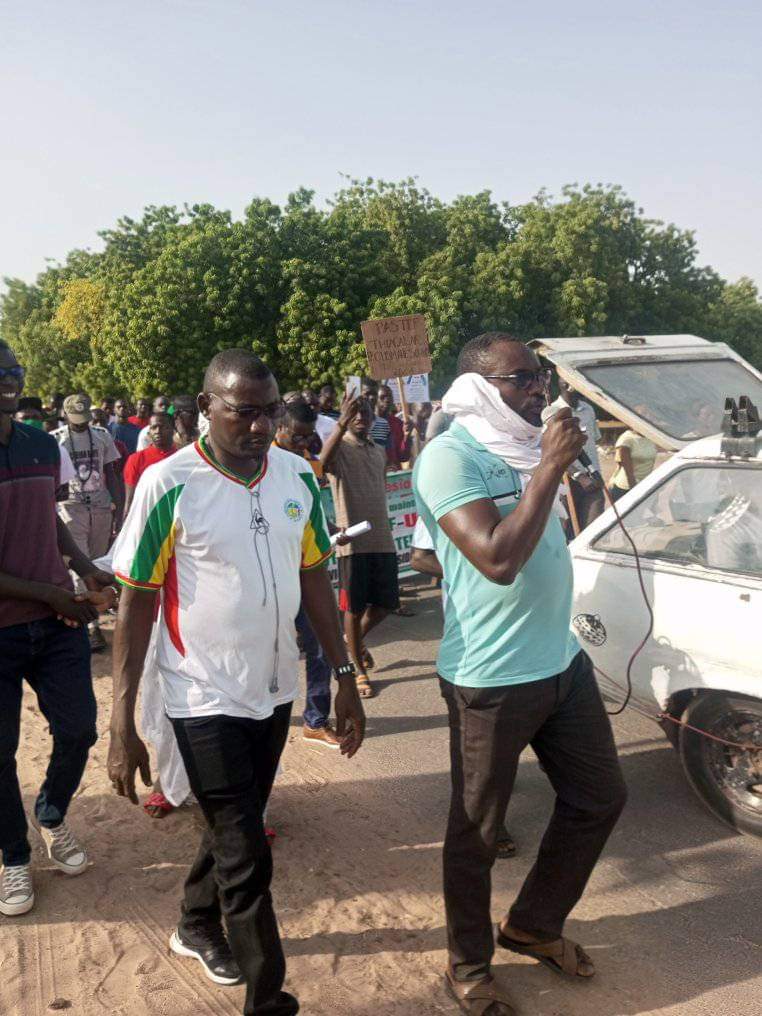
<point>55,660</point>
<point>318,698</point>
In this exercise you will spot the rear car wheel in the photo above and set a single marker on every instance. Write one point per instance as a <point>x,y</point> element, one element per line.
<point>726,778</point>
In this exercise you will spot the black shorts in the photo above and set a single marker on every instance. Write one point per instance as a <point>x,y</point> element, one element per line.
<point>368,580</point>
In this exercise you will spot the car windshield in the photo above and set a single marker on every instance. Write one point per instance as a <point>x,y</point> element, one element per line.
<point>685,398</point>
<point>705,515</point>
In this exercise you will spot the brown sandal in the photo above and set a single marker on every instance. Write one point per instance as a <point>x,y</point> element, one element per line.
<point>364,687</point>
<point>561,955</point>
<point>479,998</point>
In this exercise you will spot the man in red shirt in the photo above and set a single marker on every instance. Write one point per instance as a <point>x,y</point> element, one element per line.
<point>398,449</point>
<point>161,430</point>
<point>142,415</point>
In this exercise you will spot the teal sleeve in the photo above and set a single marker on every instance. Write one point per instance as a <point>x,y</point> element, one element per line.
<point>447,478</point>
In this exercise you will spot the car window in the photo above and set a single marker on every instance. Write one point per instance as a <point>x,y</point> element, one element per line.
<point>705,515</point>
<point>684,399</point>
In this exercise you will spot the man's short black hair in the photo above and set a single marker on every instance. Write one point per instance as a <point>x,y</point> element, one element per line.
<point>475,356</point>
<point>29,402</point>
<point>235,361</point>
<point>162,418</point>
<point>183,402</point>
<point>300,411</point>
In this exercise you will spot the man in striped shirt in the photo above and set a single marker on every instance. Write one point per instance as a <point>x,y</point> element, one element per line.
<point>230,531</point>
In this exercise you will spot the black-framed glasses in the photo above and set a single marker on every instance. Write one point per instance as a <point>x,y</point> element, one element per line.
<point>17,372</point>
<point>523,379</point>
<point>250,413</point>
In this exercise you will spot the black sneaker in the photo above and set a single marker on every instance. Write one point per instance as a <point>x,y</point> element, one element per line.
<point>212,951</point>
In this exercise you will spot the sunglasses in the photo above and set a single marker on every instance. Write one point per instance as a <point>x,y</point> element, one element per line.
<point>250,413</point>
<point>524,379</point>
<point>17,373</point>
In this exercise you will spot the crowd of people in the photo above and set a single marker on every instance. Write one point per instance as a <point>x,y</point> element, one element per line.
<point>202,518</point>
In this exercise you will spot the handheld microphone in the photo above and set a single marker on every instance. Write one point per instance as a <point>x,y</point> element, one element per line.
<point>583,458</point>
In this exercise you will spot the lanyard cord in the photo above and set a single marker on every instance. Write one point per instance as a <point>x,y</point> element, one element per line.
<point>261,527</point>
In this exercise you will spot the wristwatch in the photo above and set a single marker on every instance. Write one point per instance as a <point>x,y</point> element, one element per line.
<point>345,670</point>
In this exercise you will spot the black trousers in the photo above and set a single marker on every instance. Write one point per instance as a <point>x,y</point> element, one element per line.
<point>231,763</point>
<point>564,720</point>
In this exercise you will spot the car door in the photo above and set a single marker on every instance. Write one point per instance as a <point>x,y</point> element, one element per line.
<point>698,530</point>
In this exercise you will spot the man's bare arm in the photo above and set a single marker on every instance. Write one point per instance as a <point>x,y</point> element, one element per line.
<point>500,547</point>
<point>131,637</point>
<point>320,606</point>
<point>350,407</point>
<point>427,562</point>
<point>115,485</point>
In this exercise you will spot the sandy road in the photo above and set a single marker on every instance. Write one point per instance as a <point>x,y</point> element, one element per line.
<point>672,915</point>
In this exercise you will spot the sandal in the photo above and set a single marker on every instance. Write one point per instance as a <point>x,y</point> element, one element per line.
<point>367,660</point>
<point>157,800</point>
<point>364,687</point>
<point>479,998</point>
<point>506,845</point>
<point>561,955</point>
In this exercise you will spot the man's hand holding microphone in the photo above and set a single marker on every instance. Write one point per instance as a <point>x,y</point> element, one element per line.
<point>563,441</point>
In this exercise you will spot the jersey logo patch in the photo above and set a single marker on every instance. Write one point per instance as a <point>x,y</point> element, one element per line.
<point>294,510</point>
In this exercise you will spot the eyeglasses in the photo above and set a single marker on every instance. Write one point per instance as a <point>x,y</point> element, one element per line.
<point>17,372</point>
<point>250,413</point>
<point>302,439</point>
<point>524,379</point>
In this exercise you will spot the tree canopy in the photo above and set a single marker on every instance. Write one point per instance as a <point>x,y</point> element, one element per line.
<point>147,312</point>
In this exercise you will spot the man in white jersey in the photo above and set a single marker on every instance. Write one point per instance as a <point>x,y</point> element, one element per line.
<point>232,532</point>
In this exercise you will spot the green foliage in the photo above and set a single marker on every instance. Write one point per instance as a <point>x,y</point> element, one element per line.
<point>166,292</point>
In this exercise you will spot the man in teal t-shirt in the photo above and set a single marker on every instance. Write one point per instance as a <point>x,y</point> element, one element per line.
<point>510,670</point>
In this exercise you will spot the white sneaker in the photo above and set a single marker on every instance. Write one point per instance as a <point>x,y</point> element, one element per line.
<point>63,849</point>
<point>16,890</point>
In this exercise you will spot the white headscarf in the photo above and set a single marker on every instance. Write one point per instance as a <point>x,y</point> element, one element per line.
<point>476,405</point>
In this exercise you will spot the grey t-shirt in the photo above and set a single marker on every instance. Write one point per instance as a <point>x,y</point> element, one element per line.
<point>90,452</point>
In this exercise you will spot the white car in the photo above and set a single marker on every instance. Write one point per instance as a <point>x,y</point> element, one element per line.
<point>697,524</point>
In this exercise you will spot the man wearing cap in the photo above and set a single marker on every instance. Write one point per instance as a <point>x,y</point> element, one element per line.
<point>87,509</point>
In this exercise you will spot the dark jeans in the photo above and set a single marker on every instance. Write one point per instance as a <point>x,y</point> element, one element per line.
<point>317,707</point>
<point>231,763</point>
<point>55,660</point>
<point>564,720</point>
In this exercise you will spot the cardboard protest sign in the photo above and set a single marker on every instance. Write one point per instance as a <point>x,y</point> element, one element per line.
<point>397,346</point>
<point>416,388</point>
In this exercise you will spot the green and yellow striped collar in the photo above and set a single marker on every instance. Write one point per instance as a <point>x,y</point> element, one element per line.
<point>206,453</point>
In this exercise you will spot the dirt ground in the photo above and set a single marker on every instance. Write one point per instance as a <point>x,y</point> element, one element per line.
<point>671,916</point>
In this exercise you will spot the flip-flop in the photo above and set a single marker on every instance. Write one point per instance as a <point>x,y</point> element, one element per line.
<point>506,847</point>
<point>157,800</point>
<point>364,687</point>
<point>561,955</point>
<point>479,998</point>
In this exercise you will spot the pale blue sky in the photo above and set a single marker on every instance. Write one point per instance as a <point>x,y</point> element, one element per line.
<point>110,106</point>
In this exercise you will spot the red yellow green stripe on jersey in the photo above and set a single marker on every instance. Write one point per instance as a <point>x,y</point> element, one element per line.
<point>156,546</point>
<point>154,566</point>
<point>316,543</point>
